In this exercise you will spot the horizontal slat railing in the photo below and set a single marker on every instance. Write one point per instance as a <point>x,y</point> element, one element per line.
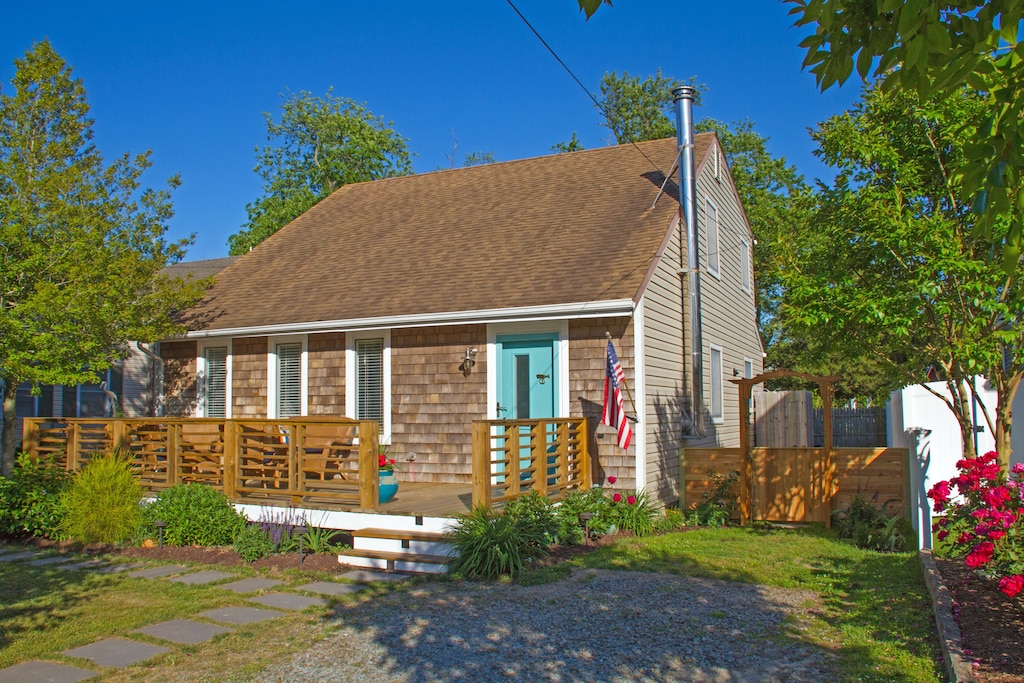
<point>328,460</point>
<point>511,458</point>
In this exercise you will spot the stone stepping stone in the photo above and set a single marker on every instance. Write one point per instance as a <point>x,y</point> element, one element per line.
<point>115,568</point>
<point>24,555</point>
<point>201,578</point>
<point>288,601</point>
<point>44,672</point>
<point>364,576</point>
<point>183,631</point>
<point>87,564</point>
<point>116,652</point>
<point>250,585</point>
<point>56,559</point>
<point>330,588</point>
<point>240,615</point>
<point>159,572</point>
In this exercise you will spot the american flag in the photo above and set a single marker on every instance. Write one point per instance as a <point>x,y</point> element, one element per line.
<point>614,413</point>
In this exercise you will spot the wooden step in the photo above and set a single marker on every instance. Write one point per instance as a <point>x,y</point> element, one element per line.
<point>393,535</point>
<point>400,557</point>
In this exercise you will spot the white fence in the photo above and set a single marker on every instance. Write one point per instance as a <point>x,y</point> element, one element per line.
<point>920,421</point>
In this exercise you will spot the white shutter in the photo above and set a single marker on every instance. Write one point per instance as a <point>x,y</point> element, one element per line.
<point>370,380</point>
<point>711,225</point>
<point>289,380</point>
<point>216,381</point>
<point>716,382</point>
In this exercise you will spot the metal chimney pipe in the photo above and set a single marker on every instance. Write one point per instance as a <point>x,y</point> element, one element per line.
<point>683,99</point>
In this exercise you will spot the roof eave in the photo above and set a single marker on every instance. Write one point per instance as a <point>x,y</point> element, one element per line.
<point>586,309</point>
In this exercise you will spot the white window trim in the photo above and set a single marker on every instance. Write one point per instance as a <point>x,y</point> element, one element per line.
<point>272,343</point>
<point>201,376</point>
<point>747,266</point>
<point>720,419</point>
<point>350,375</point>
<point>495,330</point>
<point>714,272</point>
<point>745,361</point>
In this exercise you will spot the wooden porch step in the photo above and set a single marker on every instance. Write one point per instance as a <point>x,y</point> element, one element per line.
<point>392,535</point>
<point>396,561</point>
<point>395,556</point>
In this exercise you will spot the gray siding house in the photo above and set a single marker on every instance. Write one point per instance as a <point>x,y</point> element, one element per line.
<point>489,292</point>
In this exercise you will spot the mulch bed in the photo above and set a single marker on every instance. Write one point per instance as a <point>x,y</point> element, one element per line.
<point>991,624</point>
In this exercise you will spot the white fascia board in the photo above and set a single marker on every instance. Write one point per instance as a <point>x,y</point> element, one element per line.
<point>588,309</point>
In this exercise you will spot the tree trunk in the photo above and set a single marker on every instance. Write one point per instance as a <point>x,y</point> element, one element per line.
<point>960,405</point>
<point>1007,388</point>
<point>8,447</point>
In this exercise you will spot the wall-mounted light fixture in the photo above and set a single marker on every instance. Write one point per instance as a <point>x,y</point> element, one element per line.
<point>468,360</point>
<point>735,372</point>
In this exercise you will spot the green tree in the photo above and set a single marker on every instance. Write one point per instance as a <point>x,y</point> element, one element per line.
<point>81,243</point>
<point>573,145</point>
<point>320,144</point>
<point>889,267</point>
<point>636,109</point>
<point>590,6</point>
<point>479,159</point>
<point>936,48</point>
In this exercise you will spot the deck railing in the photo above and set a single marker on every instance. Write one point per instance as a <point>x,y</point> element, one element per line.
<point>302,460</point>
<point>513,457</point>
<point>332,461</point>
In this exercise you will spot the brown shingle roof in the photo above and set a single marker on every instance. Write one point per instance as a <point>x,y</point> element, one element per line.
<point>550,230</point>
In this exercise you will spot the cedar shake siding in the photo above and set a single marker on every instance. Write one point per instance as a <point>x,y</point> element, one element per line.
<point>179,377</point>
<point>249,377</point>
<point>326,368</point>
<point>434,403</point>
<point>587,357</point>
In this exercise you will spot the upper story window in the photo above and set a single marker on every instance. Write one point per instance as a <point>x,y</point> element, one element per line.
<point>745,265</point>
<point>717,409</point>
<point>711,228</point>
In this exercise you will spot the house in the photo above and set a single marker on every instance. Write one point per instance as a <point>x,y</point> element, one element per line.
<point>426,302</point>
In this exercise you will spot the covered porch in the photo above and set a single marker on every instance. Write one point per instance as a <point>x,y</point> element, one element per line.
<point>321,463</point>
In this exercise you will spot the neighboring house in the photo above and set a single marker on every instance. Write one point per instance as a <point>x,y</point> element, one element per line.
<point>129,387</point>
<point>429,301</point>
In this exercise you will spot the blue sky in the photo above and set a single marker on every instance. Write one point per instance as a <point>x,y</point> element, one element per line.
<point>190,81</point>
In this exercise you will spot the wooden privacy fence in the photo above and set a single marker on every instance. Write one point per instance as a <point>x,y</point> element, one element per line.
<point>513,457</point>
<point>789,484</point>
<point>298,460</point>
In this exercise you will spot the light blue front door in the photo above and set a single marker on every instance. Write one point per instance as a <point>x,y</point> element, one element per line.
<point>527,381</point>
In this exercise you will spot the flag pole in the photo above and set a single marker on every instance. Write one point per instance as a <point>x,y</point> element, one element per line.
<point>629,394</point>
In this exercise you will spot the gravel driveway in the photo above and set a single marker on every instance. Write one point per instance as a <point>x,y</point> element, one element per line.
<point>594,626</point>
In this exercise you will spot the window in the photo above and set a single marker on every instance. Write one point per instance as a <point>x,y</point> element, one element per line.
<point>711,227</point>
<point>213,375</point>
<point>717,414</point>
<point>748,368</point>
<point>95,400</point>
<point>28,405</point>
<point>368,378</point>
<point>286,377</point>
<point>289,380</point>
<point>745,265</point>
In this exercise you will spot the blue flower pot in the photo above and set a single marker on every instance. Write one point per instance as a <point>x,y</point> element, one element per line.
<point>388,486</point>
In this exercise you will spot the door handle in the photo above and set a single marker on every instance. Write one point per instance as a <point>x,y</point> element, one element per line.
<point>498,410</point>
<point>542,378</point>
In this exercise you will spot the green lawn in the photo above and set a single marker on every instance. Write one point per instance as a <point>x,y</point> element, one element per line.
<point>874,614</point>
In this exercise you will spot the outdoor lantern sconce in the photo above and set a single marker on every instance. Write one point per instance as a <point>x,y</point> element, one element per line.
<point>468,361</point>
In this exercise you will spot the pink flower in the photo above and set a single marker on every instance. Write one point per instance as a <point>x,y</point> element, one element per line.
<point>617,498</point>
<point>1011,585</point>
<point>631,500</point>
<point>1018,468</point>
<point>942,535</point>
<point>612,480</point>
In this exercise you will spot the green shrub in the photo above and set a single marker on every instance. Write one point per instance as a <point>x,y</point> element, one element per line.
<point>195,515</point>
<point>672,519</point>
<point>321,540</point>
<point>718,503</point>
<point>592,501</point>
<point>634,513</point>
<point>537,515</point>
<point>868,526</point>
<point>30,497</point>
<point>490,544</point>
<point>252,543</point>
<point>101,505</point>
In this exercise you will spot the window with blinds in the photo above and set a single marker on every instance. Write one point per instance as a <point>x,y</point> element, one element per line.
<point>370,380</point>
<point>215,384</point>
<point>289,380</point>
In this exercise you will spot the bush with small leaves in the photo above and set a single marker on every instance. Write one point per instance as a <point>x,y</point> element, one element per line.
<point>195,514</point>
<point>102,504</point>
<point>252,543</point>
<point>30,497</point>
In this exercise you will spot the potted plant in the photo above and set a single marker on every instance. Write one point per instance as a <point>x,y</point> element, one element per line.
<point>388,482</point>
